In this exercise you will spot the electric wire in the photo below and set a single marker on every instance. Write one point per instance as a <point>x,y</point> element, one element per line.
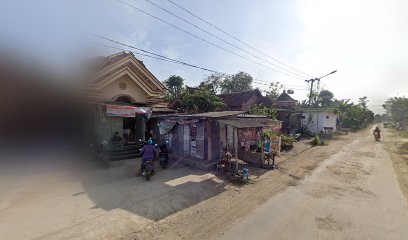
<point>223,40</point>
<point>204,40</point>
<point>237,39</point>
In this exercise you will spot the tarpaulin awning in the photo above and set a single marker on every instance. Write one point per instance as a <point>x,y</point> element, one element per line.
<point>166,126</point>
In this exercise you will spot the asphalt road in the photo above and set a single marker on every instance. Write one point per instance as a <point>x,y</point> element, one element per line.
<point>354,194</point>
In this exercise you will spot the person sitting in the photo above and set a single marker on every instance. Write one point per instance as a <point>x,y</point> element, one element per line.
<point>148,153</point>
<point>116,138</point>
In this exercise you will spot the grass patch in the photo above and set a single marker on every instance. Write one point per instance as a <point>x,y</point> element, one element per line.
<point>403,149</point>
<point>404,134</point>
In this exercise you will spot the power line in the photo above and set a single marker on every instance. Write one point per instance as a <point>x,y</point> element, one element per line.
<point>164,58</point>
<point>204,40</point>
<point>154,54</point>
<point>237,39</point>
<point>257,81</point>
<point>223,40</point>
<point>141,54</point>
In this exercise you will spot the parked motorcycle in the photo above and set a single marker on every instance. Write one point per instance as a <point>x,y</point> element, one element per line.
<point>148,169</point>
<point>296,136</point>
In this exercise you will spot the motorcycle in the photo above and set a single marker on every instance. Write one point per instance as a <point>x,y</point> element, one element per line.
<point>163,155</point>
<point>377,136</point>
<point>148,169</point>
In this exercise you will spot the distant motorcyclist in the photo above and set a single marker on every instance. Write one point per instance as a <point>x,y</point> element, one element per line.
<point>148,153</point>
<point>377,133</point>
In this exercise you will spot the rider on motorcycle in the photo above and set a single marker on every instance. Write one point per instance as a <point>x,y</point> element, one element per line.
<point>377,132</point>
<point>148,153</point>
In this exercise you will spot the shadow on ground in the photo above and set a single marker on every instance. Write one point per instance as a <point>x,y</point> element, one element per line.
<point>170,191</point>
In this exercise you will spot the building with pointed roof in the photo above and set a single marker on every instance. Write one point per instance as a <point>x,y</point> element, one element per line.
<point>126,94</point>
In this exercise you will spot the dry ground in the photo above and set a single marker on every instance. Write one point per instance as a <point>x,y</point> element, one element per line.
<point>398,148</point>
<point>354,194</point>
<point>181,203</point>
<point>212,218</point>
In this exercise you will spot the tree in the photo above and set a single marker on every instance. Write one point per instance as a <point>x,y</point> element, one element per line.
<point>201,100</point>
<point>263,110</point>
<point>175,86</point>
<point>358,116</point>
<point>363,103</point>
<point>397,109</point>
<point>213,82</point>
<point>340,107</point>
<point>325,98</point>
<point>274,90</point>
<point>236,83</point>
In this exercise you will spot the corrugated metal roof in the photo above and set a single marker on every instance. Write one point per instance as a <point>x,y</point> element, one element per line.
<point>243,123</point>
<point>216,114</point>
<point>318,109</point>
<point>251,116</point>
<point>206,115</point>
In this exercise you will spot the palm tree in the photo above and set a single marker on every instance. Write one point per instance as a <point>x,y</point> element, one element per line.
<point>341,108</point>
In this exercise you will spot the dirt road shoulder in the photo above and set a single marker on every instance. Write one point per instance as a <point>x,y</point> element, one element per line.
<point>397,146</point>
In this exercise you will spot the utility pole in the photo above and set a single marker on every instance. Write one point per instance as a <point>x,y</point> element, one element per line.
<point>311,93</point>
<point>311,88</point>
<point>312,82</point>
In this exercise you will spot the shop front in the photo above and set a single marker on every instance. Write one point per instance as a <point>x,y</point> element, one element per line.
<point>194,138</point>
<point>129,121</point>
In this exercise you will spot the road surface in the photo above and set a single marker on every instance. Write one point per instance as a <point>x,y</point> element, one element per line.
<point>354,194</point>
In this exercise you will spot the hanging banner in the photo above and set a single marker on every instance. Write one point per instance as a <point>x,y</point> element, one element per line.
<point>166,126</point>
<point>127,111</point>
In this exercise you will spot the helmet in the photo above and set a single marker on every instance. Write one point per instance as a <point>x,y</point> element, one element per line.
<point>149,142</point>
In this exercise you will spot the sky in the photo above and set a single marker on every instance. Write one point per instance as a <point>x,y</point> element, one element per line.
<point>364,40</point>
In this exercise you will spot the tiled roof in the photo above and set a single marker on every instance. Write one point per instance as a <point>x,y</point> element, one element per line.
<point>285,97</point>
<point>237,99</point>
<point>102,62</point>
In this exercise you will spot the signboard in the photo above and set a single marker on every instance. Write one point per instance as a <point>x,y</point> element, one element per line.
<point>127,111</point>
<point>147,111</point>
<point>200,141</point>
<point>186,139</point>
<point>276,145</point>
<point>188,121</point>
<point>120,111</point>
<point>193,135</point>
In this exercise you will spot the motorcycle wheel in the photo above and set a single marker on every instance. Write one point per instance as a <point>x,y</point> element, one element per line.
<point>147,177</point>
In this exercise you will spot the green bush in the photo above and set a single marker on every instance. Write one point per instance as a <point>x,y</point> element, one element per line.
<point>316,141</point>
<point>287,140</point>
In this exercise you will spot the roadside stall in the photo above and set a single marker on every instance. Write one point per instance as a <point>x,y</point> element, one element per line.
<point>194,138</point>
<point>250,141</point>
